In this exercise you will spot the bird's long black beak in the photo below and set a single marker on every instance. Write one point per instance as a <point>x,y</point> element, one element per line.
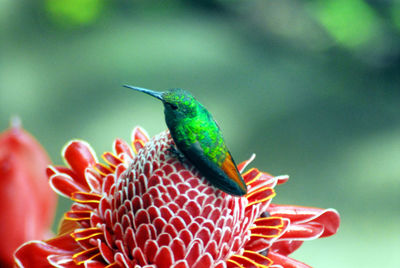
<point>155,94</point>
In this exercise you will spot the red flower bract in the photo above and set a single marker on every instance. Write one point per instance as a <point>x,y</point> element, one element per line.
<point>27,202</point>
<point>147,209</point>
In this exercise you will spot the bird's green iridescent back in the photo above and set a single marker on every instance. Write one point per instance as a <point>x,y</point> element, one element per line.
<point>198,126</point>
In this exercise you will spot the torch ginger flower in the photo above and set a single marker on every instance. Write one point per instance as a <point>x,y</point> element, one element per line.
<point>145,208</point>
<point>27,202</point>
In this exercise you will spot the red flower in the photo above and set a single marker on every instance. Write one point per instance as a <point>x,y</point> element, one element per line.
<point>27,202</point>
<point>147,209</point>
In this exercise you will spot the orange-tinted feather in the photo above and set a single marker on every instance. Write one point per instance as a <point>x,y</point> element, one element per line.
<point>229,167</point>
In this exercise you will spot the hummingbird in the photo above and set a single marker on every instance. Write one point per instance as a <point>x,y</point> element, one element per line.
<point>198,137</point>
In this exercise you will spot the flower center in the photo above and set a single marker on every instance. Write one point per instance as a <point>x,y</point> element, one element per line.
<point>160,204</point>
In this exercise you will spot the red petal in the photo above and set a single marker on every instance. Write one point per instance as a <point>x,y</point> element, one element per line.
<point>212,249</point>
<point>34,253</point>
<point>204,235</point>
<point>111,159</point>
<point>78,215</point>
<point>103,169</point>
<point>108,183</point>
<point>51,170</point>
<point>258,244</point>
<point>204,261</point>
<point>164,239</point>
<point>139,133</point>
<point>241,261</point>
<point>186,237</point>
<point>141,217</point>
<point>121,260</point>
<point>178,247</point>
<point>138,256</point>
<point>164,258</point>
<point>122,148</point>
<point>329,218</point>
<point>85,255</point>
<point>79,156</point>
<point>106,252</point>
<point>180,264</point>
<point>178,223</point>
<point>286,247</point>
<point>265,231</point>
<point>242,166</point>
<point>257,257</point>
<point>87,233</point>
<point>94,264</point>
<point>170,229</point>
<point>142,235</point>
<point>64,242</point>
<point>251,175</point>
<point>86,198</point>
<point>64,185</point>
<point>93,181</point>
<point>192,208</point>
<point>282,179</point>
<point>137,145</point>
<point>150,249</point>
<point>62,261</point>
<point>261,195</point>
<point>166,213</point>
<point>303,231</point>
<point>193,253</point>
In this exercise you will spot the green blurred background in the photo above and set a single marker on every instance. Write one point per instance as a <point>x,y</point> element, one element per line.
<point>312,87</point>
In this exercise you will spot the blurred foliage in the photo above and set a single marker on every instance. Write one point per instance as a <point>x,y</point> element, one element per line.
<point>312,87</point>
<point>73,12</point>
<point>395,12</point>
<point>351,22</point>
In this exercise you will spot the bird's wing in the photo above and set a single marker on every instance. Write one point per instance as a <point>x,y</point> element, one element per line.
<point>226,178</point>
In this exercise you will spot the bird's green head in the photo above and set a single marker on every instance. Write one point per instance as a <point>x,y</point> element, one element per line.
<point>178,103</point>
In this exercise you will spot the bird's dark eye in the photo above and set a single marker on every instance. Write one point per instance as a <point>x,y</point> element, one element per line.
<point>173,106</point>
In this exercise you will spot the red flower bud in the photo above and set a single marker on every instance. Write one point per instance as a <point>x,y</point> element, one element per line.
<point>27,203</point>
